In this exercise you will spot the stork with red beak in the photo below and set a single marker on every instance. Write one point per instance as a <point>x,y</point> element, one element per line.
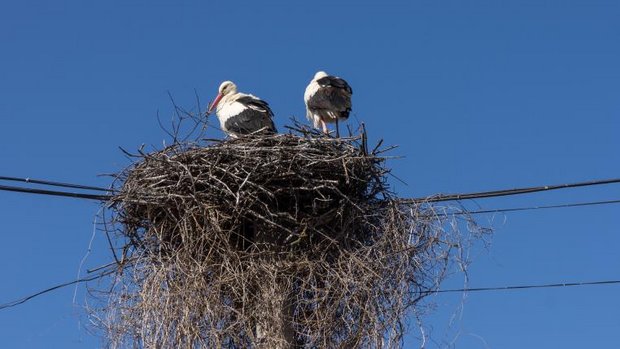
<point>328,99</point>
<point>241,113</point>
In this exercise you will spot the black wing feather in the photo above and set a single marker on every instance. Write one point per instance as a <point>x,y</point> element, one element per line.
<point>257,116</point>
<point>336,82</point>
<point>329,98</point>
<point>256,103</point>
<point>334,95</point>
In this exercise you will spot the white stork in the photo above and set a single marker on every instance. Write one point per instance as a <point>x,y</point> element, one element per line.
<point>241,113</point>
<point>328,99</point>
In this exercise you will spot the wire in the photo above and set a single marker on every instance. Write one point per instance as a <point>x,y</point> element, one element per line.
<point>56,193</point>
<point>515,209</point>
<point>27,298</point>
<point>477,289</point>
<point>54,184</point>
<point>523,287</point>
<point>506,192</point>
<point>436,198</point>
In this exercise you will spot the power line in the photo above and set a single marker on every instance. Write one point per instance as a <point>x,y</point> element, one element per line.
<point>54,184</point>
<point>515,209</point>
<point>55,193</point>
<point>523,287</point>
<point>459,290</point>
<point>53,288</point>
<point>506,192</point>
<point>436,198</point>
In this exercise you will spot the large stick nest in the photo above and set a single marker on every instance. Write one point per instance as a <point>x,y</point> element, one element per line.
<point>266,242</point>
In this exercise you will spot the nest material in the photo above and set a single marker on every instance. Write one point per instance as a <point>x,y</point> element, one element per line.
<point>276,241</point>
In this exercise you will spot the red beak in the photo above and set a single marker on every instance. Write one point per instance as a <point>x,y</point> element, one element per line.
<point>215,102</point>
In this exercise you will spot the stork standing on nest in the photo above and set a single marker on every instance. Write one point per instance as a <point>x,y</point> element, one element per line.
<point>328,99</point>
<point>241,113</point>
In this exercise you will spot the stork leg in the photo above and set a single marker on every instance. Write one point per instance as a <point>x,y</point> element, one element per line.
<point>337,130</point>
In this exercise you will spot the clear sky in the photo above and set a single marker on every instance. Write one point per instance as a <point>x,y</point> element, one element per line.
<point>478,95</point>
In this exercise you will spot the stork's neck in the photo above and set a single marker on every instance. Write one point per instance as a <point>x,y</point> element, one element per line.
<point>231,98</point>
<point>227,99</point>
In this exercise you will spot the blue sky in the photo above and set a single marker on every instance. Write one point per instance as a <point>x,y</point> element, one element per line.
<point>477,95</point>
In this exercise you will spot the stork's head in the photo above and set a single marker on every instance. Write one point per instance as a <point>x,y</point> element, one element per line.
<point>320,74</point>
<point>226,88</point>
